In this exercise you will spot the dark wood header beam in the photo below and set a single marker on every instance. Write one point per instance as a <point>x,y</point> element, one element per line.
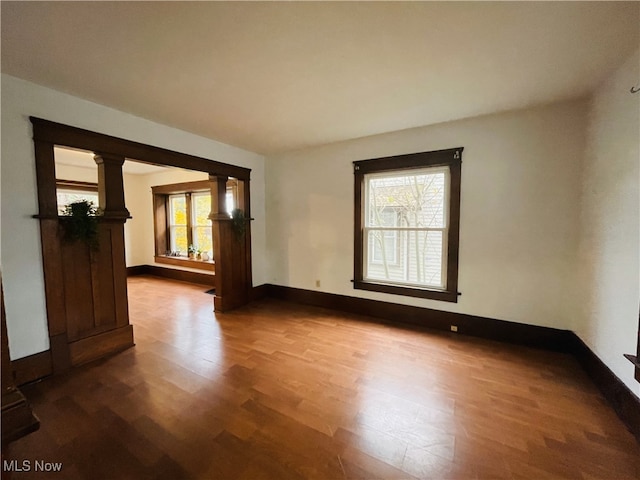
<point>64,135</point>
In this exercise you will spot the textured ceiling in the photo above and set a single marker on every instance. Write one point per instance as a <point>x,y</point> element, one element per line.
<point>271,77</point>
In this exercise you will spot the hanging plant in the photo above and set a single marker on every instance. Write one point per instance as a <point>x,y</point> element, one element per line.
<point>238,223</point>
<point>80,222</point>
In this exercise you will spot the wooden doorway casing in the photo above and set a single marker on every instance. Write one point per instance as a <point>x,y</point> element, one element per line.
<point>83,332</point>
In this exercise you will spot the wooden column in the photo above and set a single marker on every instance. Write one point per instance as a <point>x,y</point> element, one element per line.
<point>110,180</point>
<point>232,282</point>
<point>52,255</point>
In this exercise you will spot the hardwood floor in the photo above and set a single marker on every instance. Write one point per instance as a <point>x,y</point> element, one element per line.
<point>280,391</point>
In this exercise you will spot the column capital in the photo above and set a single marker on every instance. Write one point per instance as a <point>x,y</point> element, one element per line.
<point>108,158</point>
<point>111,186</point>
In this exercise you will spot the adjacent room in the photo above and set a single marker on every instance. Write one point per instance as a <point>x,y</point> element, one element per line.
<point>392,240</point>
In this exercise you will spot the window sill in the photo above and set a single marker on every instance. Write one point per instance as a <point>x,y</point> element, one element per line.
<point>407,291</point>
<point>209,265</point>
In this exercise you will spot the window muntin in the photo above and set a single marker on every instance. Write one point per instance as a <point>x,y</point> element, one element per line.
<point>407,221</point>
<point>407,210</point>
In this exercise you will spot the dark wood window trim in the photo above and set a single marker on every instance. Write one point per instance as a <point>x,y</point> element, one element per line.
<point>451,158</point>
<point>161,195</point>
<point>76,185</point>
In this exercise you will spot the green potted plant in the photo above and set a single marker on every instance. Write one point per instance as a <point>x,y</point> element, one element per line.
<point>191,251</point>
<point>238,223</point>
<point>80,222</point>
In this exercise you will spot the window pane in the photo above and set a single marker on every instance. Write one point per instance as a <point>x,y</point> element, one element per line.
<point>229,200</point>
<point>65,197</point>
<point>390,251</point>
<point>201,208</point>
<point>413,257</point>
<point>178,239</point>
<point>417,199</point>
<point>202,239</point>
<point>178,210</point>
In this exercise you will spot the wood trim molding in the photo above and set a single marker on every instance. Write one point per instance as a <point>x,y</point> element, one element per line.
<point>209,265</point>
<point>67,136</point>
<point>137,270</point>
<point>77,185</point>
<point>450,158</point>
<point>259,292</point>
<point>518,333</point>
<point>170,189</point>
<point>173,274</point>
<point>621,398</point>
<point>99,346</point>
<point>32,368</point>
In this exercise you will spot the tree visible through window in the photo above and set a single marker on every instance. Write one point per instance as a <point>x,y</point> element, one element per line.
<point>406,213</point>
<point>200,224</point>
<point>407,221</point>
<point>178,223</point>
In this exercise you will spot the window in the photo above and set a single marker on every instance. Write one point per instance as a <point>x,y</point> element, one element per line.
<point>69,191</point>
<point>181,219</point>
<point>407,211</point>
<point>188,223</point>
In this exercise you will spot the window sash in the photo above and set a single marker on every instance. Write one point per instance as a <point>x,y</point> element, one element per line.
<point>173,238</point>
<point>410,263</point>
<point>404,266</point>
<point>172,210</point>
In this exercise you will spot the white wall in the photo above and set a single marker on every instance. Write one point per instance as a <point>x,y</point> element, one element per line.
<point>80,174</point>
<point>519,212</point>
<point>21,250</point>
<point>610,223</point>
<point>138,231</point>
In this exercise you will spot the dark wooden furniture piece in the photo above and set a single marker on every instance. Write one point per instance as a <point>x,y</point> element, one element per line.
<point>17,418</point>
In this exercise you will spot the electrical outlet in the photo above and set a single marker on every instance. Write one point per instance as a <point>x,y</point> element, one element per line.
<point>454,328</point>
<point>317,283</point>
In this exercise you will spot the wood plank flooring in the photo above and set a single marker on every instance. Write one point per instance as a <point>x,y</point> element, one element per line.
<point>282,391</point>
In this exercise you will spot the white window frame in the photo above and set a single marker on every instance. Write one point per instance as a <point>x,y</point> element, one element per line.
<point>397,229</point>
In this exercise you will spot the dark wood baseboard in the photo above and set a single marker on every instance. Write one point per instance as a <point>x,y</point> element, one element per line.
<point>137,270</point>
<point>32,368</point>
<point>18,419</point>
<point>518,333</point>
<point>172,273</point>
<point>259,292</point>
<point>621,398</point>
<point>99,346</point>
